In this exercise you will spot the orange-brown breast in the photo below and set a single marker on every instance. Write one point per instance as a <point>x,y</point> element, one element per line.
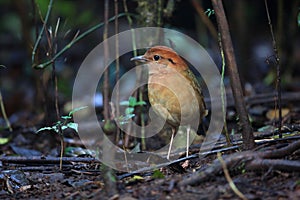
<point>174,94</point>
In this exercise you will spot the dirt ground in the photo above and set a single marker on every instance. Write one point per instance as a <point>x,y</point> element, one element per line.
<point>79,180</point>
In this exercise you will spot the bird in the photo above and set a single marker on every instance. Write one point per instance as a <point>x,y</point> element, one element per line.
<point>173,90</point>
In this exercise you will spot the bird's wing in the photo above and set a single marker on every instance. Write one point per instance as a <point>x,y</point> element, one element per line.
<point>194,83</point>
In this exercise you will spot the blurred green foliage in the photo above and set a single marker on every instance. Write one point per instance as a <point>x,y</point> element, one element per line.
<point>69,10</point>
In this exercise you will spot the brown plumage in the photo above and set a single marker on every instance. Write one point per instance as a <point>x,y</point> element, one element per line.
<point>173,90</point>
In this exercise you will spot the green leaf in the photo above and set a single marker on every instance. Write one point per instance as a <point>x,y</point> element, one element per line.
<point>136,177</point>
<point>129,111</point>
<point>71,125</point>
<point>132,101</point>
<point>3,140</point>
<point>66,117</point>
<point>124,103</point>
<point>140,103</point>
<point>76,110</point>
<point>269,79</point>
<point>158,174</point>
<point>47,128</point>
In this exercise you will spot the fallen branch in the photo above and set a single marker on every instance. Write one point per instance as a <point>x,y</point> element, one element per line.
<point>279,153</point>
<point>265,164</point>
<point>252,160</point>
<point>44,160</point>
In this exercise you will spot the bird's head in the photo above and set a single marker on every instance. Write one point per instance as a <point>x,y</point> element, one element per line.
<point>163,56</point>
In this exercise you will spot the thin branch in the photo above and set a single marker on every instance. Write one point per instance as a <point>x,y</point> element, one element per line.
<point>52,51</point>
<point>278,75</point>
<point>117,87</point>
<point>54,75</point>
<point>108,174</point>
<point>4,113</point>
<point>130,23</point>
<point>228,178</point>
<point>42,31</point>
<point>45,160</point>
<point>75,40</point>
<point>106,72</point>
<point>223,93</point>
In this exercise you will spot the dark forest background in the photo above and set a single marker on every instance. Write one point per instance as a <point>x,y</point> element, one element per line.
<point>25,89</point>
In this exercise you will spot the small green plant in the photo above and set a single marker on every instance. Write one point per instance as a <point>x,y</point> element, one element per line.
<point>209,12</point>
<point>131,104</point>
<point>157,174</point>
<point>62,125</point>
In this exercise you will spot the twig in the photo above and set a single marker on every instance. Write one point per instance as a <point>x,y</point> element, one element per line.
<point>130,23</point>
<point>228,178</point>
<point>52,51</point>
<point>44,160</point>
<point>168,163</point>
<point>4,113</point>
<point>129,19</point>
<point>117,87</point>
<point>151,168</point>
<point>75,40</point>
<point>54,76</point>
<point>108,174</point>
<point>62,144</point>
<point>106,72</point>
<point>278,75</point>
<point>42,31</point>
<point>215,168</point>
<point>223,93</point>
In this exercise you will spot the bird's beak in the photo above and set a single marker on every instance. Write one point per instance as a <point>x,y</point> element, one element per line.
<point>139,59</point>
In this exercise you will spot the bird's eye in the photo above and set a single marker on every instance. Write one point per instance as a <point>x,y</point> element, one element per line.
<point>156,57</point>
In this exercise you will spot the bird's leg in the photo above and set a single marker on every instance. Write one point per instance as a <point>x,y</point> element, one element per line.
<point>171,142</point>
<point>188,129</point>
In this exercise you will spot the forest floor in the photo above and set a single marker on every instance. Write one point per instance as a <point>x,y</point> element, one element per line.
<point>30,168</point>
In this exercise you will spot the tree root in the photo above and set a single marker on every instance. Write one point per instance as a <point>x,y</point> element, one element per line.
<point>250,160</point>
